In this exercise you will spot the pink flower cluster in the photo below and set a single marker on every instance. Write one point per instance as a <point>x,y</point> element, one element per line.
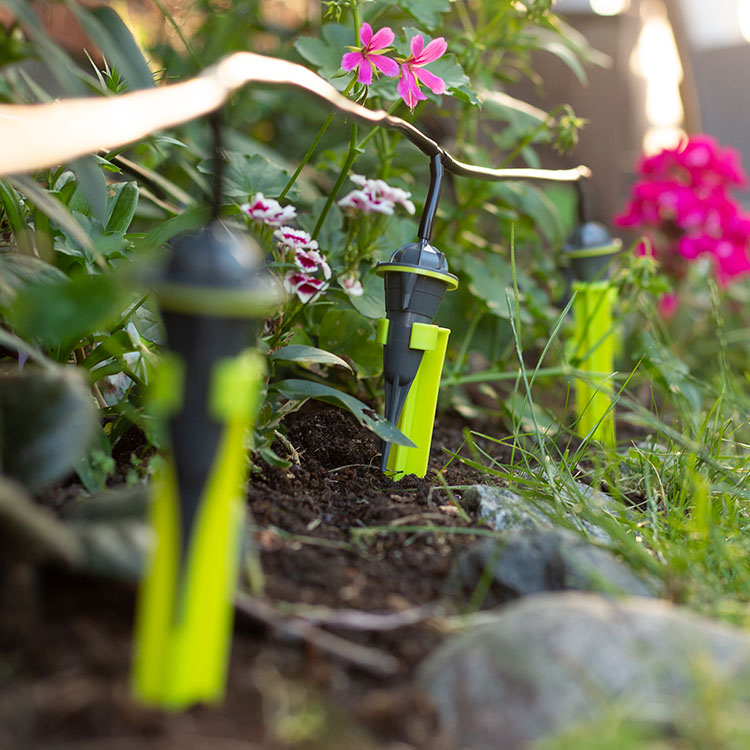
<point>682,203</point>
<point>376,196</point>
<point>370,57</point>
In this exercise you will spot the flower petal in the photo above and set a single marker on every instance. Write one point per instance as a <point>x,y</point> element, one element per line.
<point>435,83</point>
<point>384,64</point>
<point>365,34</point>
<point>408,88</point>
<point>436,48</point>
<point>365,73</point>
<point>416,45</point>
<point>383,38</point>
<point>351,60</point>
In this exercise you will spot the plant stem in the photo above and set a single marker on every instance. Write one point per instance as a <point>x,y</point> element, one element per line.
<point>354,151</point>
<point>310,151</point>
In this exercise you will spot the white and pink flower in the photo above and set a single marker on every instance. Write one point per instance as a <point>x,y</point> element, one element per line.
<point>309,261</point>
<point>268,211</point>
<point>351,285</point>
<point>296,239</point>
<point>376,196</point>
<point>306,287</point>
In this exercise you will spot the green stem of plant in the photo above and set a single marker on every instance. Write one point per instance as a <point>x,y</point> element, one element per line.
<point>314,145</point>
<point>354,152</point>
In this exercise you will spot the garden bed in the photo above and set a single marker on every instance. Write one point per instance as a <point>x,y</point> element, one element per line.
<point>66,677</point>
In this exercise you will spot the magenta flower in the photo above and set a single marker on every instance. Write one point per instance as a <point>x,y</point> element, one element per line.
<point>295,239</point>
<point>412,70</point>
<point>307,288</point>
<point>684,204</point>
<point>364,59</point>
<point>268,211</point>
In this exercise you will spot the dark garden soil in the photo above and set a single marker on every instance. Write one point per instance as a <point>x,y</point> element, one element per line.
<point>311,667</point>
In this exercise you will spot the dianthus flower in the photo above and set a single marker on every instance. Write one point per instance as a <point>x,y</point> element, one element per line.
<point>295,239</point>
<point>306,287</point>
<point>376,196</point>
<point>310,261</point>
<point>351,285</point>
<point>268,211</point>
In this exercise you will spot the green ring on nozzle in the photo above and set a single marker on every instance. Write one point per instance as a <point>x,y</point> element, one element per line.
<point>217,272</point>
<point>590,249</point>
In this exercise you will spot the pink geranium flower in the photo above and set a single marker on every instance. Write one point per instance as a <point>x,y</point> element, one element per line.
<point>364,59</point>
<point>413,73</point>
<point>268,211</point>
<point>307,288</point>
<point>295,239</point>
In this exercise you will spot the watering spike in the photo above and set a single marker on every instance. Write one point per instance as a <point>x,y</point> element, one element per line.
<point>590,249</point>
<point>212,293</point>
<point>416,278</point>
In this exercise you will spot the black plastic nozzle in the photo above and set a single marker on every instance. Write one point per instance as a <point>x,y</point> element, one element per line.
<point>590,249</point>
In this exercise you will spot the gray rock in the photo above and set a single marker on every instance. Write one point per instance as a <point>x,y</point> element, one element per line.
<point>555,660</point>
<point>529,561</point>
<point>504,509</point>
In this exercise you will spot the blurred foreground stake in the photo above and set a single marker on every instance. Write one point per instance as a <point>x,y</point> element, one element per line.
<point>213,292</point>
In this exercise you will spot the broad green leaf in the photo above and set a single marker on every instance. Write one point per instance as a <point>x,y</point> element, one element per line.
<point>349,334</point>
<point>307,355</point>
<point>47,419</point>
<point>550,42</point>
<point>489,277</point>
<point>60,314</point>
<point>426,12</point>
<point>325,53</point>
<point>372,303</point>
<point>190,219</point>
<point>247,175</point>
<point>303,389</point>
<point>18,271</point>
<point>456,81</point>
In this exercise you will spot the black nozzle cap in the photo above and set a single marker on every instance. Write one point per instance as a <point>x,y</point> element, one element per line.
<point>590,249</point>
<point>214,270</point>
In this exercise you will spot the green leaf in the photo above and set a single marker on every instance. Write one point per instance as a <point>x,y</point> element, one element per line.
<point>534,203</point>
<point>190,219</point>
<point>550,42</point>
<point>303,389</point>
<point>60,314</point>
<point>456,81</point>
<point>308,355</point>
<point>247,175</point>
<point>372,303</point>
<point>92,186</point>
<point>18,271</point>
<point>489,276</point>
<point>106,28</point>
<point>47,419</point>
<point>427,12</point>
<point>122,205</point>
<point>325,53</point>
<point>350,334</point>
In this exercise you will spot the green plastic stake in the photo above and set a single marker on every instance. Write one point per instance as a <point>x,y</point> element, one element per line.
<point>418,413</point>
<point>592,348</point>
<point>213,291</point>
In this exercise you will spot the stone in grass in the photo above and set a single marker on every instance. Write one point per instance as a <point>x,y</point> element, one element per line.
<point>520,562</point>
<point>554,661</point>
<point>502,509</point>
